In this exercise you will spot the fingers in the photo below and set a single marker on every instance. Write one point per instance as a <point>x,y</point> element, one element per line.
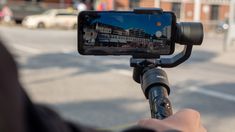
<point>147,122</point>
<point>202,128</point>
<point>185,116</point>
<point>186,120</point>
<point>155,124</point>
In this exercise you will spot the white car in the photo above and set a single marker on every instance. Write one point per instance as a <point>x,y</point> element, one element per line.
<point>52,18</point>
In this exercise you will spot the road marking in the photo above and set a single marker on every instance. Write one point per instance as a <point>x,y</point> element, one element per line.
<point>70,52</point>
<point>26,49</point>
<point>123,72</point>
<point>207,92</point>
<point>213,93</point>
<point>37,51</point>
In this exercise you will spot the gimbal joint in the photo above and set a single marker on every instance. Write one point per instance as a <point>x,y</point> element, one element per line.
<point>154,77</point>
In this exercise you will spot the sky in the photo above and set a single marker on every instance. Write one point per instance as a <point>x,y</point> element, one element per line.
<point>147,22</point>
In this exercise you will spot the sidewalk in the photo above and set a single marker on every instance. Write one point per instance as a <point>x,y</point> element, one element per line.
<point>226,58</point>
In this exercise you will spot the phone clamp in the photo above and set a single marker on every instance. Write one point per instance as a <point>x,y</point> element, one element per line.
<point>148,10</point>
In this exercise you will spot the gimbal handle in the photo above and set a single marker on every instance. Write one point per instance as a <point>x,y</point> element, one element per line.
<point>154,84</point>
<point>160,105</point>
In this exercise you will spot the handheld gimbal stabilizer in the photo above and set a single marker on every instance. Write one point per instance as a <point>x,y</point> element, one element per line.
<point>146,34</point>
<point>152,78</point>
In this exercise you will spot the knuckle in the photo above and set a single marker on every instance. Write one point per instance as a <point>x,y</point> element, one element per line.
<point>143,122</point>
<point>193,112</point>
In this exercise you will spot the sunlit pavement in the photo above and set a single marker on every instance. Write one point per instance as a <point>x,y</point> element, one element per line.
<point>99,91</point>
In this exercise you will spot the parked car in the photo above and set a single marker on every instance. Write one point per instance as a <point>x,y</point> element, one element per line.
<point>52,18</point>
<point>22,10</point>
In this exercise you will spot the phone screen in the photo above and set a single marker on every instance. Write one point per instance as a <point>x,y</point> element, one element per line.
<point>125,33</point>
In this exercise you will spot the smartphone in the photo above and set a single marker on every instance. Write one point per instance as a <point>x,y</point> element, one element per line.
<point>126,33</point>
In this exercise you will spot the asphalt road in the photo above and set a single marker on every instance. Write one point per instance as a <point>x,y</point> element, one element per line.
<point>99,91</point>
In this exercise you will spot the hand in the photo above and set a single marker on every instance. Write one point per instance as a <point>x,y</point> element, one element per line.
<point>186,120</point>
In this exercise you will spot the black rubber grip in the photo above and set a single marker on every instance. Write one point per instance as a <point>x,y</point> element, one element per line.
<point>160,105</point>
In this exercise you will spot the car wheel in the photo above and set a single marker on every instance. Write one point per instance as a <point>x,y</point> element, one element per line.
<point>41,25</point>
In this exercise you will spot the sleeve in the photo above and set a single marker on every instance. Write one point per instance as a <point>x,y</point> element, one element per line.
<point>19,114</point>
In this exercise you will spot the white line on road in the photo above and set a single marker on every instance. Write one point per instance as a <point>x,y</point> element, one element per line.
<point>70,52</point>
<point>213,93</point>
<point>26,49</point>
<point>122,72</point>
<point>37,51</point>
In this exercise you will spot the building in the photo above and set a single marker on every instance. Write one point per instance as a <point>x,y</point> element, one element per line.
<point>210,12</point>
<point>49,3</point>
<point>134,32</point>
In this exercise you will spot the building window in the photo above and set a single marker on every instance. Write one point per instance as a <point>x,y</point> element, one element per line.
<point>176,9</point>
<point>214,12</point>
<point>134,3</point>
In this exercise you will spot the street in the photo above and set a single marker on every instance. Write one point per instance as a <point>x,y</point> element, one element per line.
<point>99,91</point>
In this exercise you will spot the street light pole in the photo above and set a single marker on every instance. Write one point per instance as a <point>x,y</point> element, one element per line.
<point>61,3</point>
<point>197,10</point>
<point>157,3</point>
<point>182,10</point>
<point>230,33</point>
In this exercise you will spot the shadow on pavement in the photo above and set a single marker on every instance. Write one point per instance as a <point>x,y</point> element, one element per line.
<point>96,63</point>
<point>213,108</point>
<point>81,64</point>
<point>200,56</point>
<point>227,88</point>
<point>103,113</point>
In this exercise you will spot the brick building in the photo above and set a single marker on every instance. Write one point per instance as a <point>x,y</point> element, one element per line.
<point>186,10</point>
<point>207,11</point>
<point>210,12</point>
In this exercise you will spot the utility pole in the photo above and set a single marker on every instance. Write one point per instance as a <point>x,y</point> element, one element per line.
<point>113,4</point>
<point>157,3</point>
<point>182,10</point>
<point>197,10</point>
<point>229,37</point>
<point>62,3</point>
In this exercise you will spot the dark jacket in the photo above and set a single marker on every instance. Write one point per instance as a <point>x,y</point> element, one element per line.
<point>19,114</point>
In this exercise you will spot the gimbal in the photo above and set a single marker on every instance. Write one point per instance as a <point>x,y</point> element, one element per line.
<point>153,79</point>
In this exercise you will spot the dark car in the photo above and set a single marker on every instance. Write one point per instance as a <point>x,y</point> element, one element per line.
<point>21,11</point>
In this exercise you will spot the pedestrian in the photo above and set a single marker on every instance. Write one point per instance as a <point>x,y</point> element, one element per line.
<point>7,14</point>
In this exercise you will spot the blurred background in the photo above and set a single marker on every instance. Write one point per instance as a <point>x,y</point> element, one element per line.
<point>100,91</point>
